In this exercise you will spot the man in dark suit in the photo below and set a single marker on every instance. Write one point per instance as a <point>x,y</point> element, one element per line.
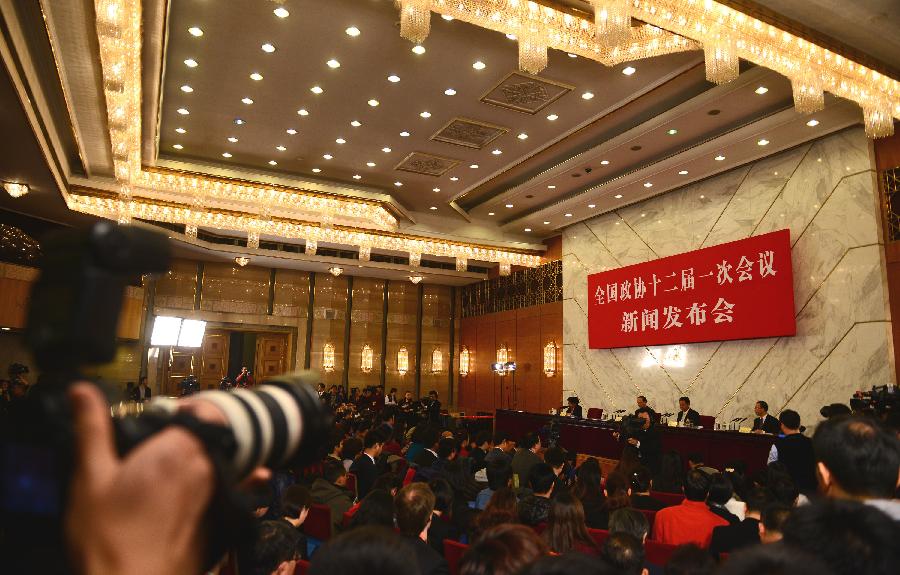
<point>526,457</point>
<point>795,451</point>
<point>687,417</point>
<point>430,438</point>
<point>647,441</point>
<point>730,538</point>
<point>573,409</point>
<point>414,508</point>
<point>364,468</point>
<point>764,423</point>
<point>483,445</point>
<point>641,482</point>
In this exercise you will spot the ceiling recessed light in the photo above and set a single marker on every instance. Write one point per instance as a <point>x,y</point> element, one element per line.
<point>454,179</point>
<point>180,130</point>
<point>386,150</point>
<point>190,63</point>
<point>490,213</point>
<point>474,166</point>
<point>761,90</point>
<point>370,164</point>
<point>509,205</point>
<point>511,36</point>
<point>268,48</point>
<point>433,208</point>
<point>393,78</point>
<point>316,170</point>
<point>183,111</point>
<point>352,31</point>
<point>546,223</point>
<point>762,142</point>
<point>239,122</point>
<point>568,215</point>
<point>435,189</point>
<point>497,152</point>
<point>618,196</point>
<point>551,187</point>
<point>450,92</point>
<point>232,139</point>
<point>404,134</point>
<point>418,49</point>
<point>527,229</point>
<point>316,90</point>
<point>178,146</point>
<point>447,17</point>
<point>719,158</point>
<point>628,70</point>
<point>571,55</point>
<point>552,117</point>
<point>648,185</point>
<point>195,31</point>
<point>247,101</point>
<point>587,95</point>
<point>522,136</point>
<point>479,65</point>
<point>356,123</point>
<point>333,63</point>
<point>256,76</point>
<point>357,177</point>
<point>672,132</point>
<point>327,156</point>
<point>683,173</point>
<point>398,184</point>
<point>373,102</point>
<point>280,148</point>
<point>592,206</point>
<point>604,162</point>
<point>291,131</point>
<point>340,141</point>
<point>281,12</point>
<point>226,155</point>
<point>273,163</point>
<point>812,123</point>
<point>425,114</point>
<point>303,112</point>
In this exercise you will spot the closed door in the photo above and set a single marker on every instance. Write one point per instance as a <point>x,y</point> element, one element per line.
<point>181,366</point>
<point>271,355</point>
<point>214,359</point>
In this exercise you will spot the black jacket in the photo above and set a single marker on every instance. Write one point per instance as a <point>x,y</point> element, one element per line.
<point>646,503</point>
<point>476,456</point>
<point>796,452</point>
<point>533,510</point>
<point>769,425</point>
<point>650,449</point>
<point>440,530</point>
<point>366,473</point>
<point>430,561</point>
<point>574,412</point>
<point>729,538</point>
<point>692,416</point>
<point>425,459</point>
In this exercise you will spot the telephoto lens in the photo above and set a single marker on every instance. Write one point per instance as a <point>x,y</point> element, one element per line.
<point>280,422</point>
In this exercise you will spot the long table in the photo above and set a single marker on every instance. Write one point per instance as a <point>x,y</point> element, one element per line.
<point>594,437</point>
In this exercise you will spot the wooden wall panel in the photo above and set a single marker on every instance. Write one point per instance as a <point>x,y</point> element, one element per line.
<point>130,316</point>
<point>484,380</point>
<point>528,359</point>
<point>14,302</point>
<point>552,330</point>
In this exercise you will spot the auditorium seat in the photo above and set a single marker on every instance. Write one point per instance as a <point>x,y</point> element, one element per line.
<point>669,499</point>
<point>347,517</point>
<point>599,536</point>
<point>318,522</point>
<point>351,484</point>
<point>301,568</point>
<point>708,421</point>
<point>658,553</point>
<point>651,516</point>
<point>595,413</point>
<point>410,473</point>
<point>453,552</point>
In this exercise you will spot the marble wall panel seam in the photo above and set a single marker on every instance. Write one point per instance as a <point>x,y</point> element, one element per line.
<point>605,247</point>
<point>725,208</point>
<point>747,378</point>
<point>594,377</point>
<point>812,294</point>
<point>636,234</point>
<point>822,205</point>
<point>780,192</point>
<point>700,372</point>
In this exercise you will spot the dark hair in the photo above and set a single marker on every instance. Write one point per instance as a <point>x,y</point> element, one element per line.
<point>333,470</point>
<point>373,438</point>
<point>784,490</point>
<point>365,551</point>
<point>428,435</point>
<point>834,409</point>
<point>685,399</point>
<point>617,485</point>
<point>275,543</point>
<point>566,527</point>
<point>541,478</point>
<point>625,552</point>
<point>500,437</point>
<point>641,480</point>
<point>500,509</point>
<point>720,489</point>
<point>555,456</point>
<point>631,521</point>
<point>262,495</point>
<point>502,550</point>
<point>570,563</point>
<point>696,485</point>
<point>482,437</point>
<point>861,456</point>
<point>671,475</point>
<point>690,560</point>
<point>628,461</point>
<point>352,447</point>
<point>644,397</point>
<point>499,473</point>
<point>763,405</point>
<point>756,499</point>
<point>588,479</point>
<point>775,559</point>
<point>852,537</point>
<point>695,457</point>
<point>572,399</point>
<point>295,499</point>
<point>529,440</point>
<point>646,410</point>
<point>443,494</point>
<point>413,507</point>
<point>790,419</point>
<point>446,447</point>
<point>376,509</point>
<point>388,481</point>
<point>774,515</point>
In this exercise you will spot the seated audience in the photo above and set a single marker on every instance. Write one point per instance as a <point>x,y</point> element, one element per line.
<point>535,507</point>
<point>629,521</point>
<point>629,461</point>
<point>641,484</point>
<point>671,475</point>
<point>795,451</point>
<point>504,447</point>
<point>618,496</point>
<point>376,509</point>
<point>499,475</point>
<point>483,445</point>
<point>720,493</point>
<point>690,560</point>
<point>569,564</point>
<point>773,560</point>
<point>695,461</point>
<point>331,490</point>
<point>446,452</point>
<point>441,526</point>
<point>771,522</point>
<point>365,467</point>
<point>555,457</point>
<point>625,553</point>
<point>274,551</point>
<point>365,551</point>
<point>525,458</point>
<point>351,447</point>
<point>692,521</point>
<point>295,503</point>
<point>588,490</point>
<point>729,538</point>
<point>566,530</point>
<point>428,436</point>
<point>502,508</point>
<point>414,509</point>
<point>502,550</point>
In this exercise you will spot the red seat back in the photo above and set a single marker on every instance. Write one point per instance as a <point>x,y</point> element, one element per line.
<point>668,498</point>
<point>318,522</point>
<point>347,517</point>
<point>453,552</point>
<point>301,568</point>
<point>351,484</point>
<point>595,413</point>
<point>658,553</point>
<point>599,535</point>
<point>708,421</point>
<point>651,516</point>
<point>410,473</point>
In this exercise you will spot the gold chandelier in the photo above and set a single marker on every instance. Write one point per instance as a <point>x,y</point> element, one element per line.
<point>464,359</point>
<point>402,360</point>
<point>550,359</point>
<point>328,358</point>
<point>366,359</point>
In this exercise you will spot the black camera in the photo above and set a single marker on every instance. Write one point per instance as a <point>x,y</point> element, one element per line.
<point>73,315</point>
<point>630,427</point>
<point>881,399</point>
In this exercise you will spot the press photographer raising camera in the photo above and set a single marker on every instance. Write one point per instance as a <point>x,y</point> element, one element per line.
<point>647,440</point>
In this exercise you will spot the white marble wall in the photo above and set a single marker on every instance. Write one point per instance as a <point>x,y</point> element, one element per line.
<point>826,193</point>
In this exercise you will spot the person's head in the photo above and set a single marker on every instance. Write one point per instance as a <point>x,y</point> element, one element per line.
<point>555,457</point>
<point>129,385</point>
<point>771,522</point>
<point>696,485</point>
<point>390,482</point>
<point>413,507</point>
<point>484,441</point>
<point>504,442</point>
<point>433,395</point>
<point>720,489</point>
<point>499,473</point>
<point>274,551</point>
<point>756,499</point>
<point>368,550</point>
<point>672,467</point>
<point>856,458</point>
<point>572,401</point>
<point>690,560</point>
<point>695,459</point>
<point>443,494</point>
<point>262,496</point>
<point>853,538</point>
<point>504,499</point>
<point>429,436</point>
<point>784,490</point>
<point>579,563</point>
<point>641,481</point>
<point>320,387</point>
<point>244,369</point>
<point>295,504</point>
<point>588,478</point>
<point>447,448</point>
<point>773,560</point>
<point>646,419</point>
<point>373,442</point>
<point>142,380</point>
<point>502,550</point>
<point>566,526</point>
<point>530,441</point>
<point>352,447</point>
<point>790,421</point>
<point>376,508</point>
<point>835,410</point>
<point>541,479</point>
<point>684,403</point>
<point>392,391</point>
<point>618,490</point>
<point>334,472</point>
<point>407,395</point>
<point>641,401</point>
<point>625,552</point>
<point>630,521</point>
<point>761,408</point>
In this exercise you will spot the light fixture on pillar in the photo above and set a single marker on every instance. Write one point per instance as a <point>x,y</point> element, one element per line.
<point>366,357</point>
<point>462,264</point>
<point>878,121</point>
<point>402,360</point>
<point>415,259</point>
<point>550,359</point>
<point>502,354</point>
<point>365,253</point>
<point>241,261</point>
<point>253,240</point>
<point>328,358</point>
<point>808,94</point>
<point>505,268</point>
<point>437,361</point>
<point>311,247</point>
<point>464,358</point>
<point>722,62</point>
<point>415,20</point>
<point>613,21</point>
<point>335,271</point>
<point>503,366</point>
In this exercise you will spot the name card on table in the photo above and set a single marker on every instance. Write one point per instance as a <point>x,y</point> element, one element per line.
<point>737,290</point>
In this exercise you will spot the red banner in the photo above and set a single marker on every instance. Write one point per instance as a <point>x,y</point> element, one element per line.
<point>738,290</point>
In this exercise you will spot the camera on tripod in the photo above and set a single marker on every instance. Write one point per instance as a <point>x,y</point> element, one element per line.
<point>880,398</point>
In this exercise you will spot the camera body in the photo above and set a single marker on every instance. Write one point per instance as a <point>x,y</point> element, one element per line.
<point>630,427</point>
<point>880,398</point>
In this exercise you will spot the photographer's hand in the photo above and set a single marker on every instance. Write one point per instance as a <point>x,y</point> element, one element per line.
<point>141,514</point>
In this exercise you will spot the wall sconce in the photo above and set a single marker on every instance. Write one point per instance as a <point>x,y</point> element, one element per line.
<point>402,361</point>
<point>464,357</point>
<point>366,358</point>
<point>502,354</point>
<point>437,360</point>
<point>503,365</point>
<point>15,190</point>
<point>550,359</point>
<point>241,261</point>
<point>328,358</point>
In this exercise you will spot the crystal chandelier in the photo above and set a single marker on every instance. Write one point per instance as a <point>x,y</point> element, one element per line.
<point>437,361</point>
<point>722,62</point>
<point>505,268</point>
<point>241,261</point>
<point>311,247</point>
<point>502,354</point>
<point>415,259</point>
<point>415,279</point>
<point>464,358</point>
<point>15,190</point>
<point>328,358</point>
<point>402,361</point>
<point>190,231</point>
<point>532,49</point>
<point>415,20</point>
<point>335,271</point>
<point>365,253</point>
<point>550,359</point>
<point>366,357</point>
<point>808,94</point>
<point>878,121</point>
<point>461,264</point>
<point>612,20</point>
<point>253,240</point>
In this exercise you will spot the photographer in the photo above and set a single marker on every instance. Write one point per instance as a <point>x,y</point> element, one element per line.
<point>244,379</point>
<point>647,440</point>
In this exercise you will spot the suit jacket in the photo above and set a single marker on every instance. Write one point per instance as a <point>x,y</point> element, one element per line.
<point>692,416</point>
<point>574,412</point>
<point>366,473</point>
<point>430,561</point>
<point>650,449</point>
<point>425,459</point>
<point>729,538</point>
<point>522,462</point>
<point>440,530</point>
<point>646,502</point>
<point>476,456</point>
<point>769,424</point>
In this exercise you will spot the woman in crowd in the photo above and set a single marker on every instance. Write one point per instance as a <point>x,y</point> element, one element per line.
<point>502,508</point>
<point>589,491</point>
<point>503,550</point>
<point>671,475</point>
<point>566,530</point>
<point>377,508</point>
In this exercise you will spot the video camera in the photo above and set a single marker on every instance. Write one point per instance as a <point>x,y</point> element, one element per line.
<point>880,398</point>
<point>73,315</point>
<point>630,427</point>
